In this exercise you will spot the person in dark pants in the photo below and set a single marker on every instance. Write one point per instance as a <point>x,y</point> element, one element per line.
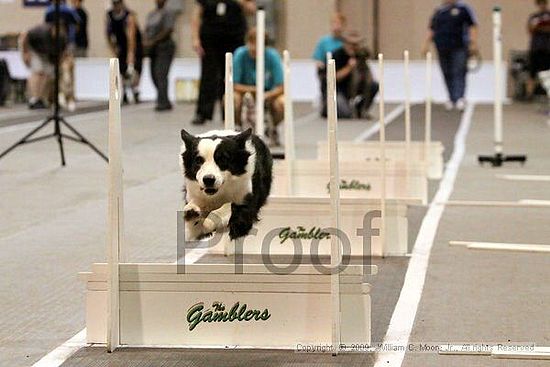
<point>161,49</point>
<point>218,26</point>
<point>124,39</point>
<point>81,36</point>
<point>453,29</point>
<point>355,85</point>
<point>539,50</point>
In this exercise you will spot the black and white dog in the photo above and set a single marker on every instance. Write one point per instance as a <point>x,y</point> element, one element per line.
<point>228,180</point>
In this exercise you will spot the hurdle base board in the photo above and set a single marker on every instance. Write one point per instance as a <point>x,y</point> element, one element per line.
<point>394,150</point>
<point>311,178</point>
<point>155,303</point>
<point>291,212</point>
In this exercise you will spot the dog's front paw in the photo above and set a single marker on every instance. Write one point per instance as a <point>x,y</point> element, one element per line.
<point>191,212</point>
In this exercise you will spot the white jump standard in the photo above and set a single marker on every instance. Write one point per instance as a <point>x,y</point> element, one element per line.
<point>211,305</point>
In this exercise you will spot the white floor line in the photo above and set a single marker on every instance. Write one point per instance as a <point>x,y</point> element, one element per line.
<point>60,354</point>
<point>536,178</point>
<point>403,317</point>
<point>390,117</point>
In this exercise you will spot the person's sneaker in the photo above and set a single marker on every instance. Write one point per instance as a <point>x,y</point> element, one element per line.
<point>162,108</point>
<point>38,105</point>
<point>198,120</point>
<point>449,106</point>
<point>460,104</point>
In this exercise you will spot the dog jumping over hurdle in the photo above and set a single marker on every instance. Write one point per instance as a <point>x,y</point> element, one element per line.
<point>227,178</point>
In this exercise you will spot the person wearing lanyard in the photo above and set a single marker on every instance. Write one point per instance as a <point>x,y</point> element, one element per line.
<point>218,26</point>
<point>453,29</point>
<point>158,40</point>
<point>539,50</point>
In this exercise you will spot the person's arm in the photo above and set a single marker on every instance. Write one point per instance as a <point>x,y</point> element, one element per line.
<point>24,47</point>
<point>473,39</point>
<point>275,92</point>
<point>248,6</point>
<point>428,42</point>
<point>168,23</point>
<point>131,30</point>
<point>346,70</point>
<point>532,24</point>
<point>196,21</point>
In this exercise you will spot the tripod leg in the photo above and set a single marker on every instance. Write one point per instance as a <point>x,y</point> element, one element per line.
<point>59,137</point>
<point>24,139</point>
<point>83,139</point>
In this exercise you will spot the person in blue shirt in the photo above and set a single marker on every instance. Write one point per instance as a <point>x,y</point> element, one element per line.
<point>244,79</point>
<point>328,43</point>
<point>453,30</point>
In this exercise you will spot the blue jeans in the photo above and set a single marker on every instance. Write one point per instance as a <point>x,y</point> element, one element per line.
<point>454,67</point>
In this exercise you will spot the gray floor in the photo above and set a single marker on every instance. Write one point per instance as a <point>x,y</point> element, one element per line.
<point>54,226</point>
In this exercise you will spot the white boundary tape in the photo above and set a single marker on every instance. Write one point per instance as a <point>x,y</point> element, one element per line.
<point>390,117</point>
<point>60,354</point>
<point>403,317</point>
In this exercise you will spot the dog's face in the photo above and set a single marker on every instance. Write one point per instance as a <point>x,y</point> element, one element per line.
<point>212,160</point>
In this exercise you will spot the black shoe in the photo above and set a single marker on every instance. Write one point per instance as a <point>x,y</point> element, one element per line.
<point>124,99</point>
<point>161,108</point>
<point>136,98</point>
<point>38,105</point>
<point>198,120</point>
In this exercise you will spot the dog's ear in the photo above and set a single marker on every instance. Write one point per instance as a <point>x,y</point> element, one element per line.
<point>187,138</point>
<point>243,137</point>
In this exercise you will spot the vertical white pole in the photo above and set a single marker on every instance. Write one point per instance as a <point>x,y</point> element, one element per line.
<point>428,122</point>
<point>407,105</point>
<point>335,253</point>
<point>290,153</point>
<point>229,101</point>
<point>497,55</point>
<point>260,72</point>
<point>382,155</point>
<point>115,231</point>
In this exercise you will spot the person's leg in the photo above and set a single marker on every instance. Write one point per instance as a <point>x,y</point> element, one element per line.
<point>208,84</point>
<point>445,65</point>
<point>459,71</point>
<point>277,110</point>
<point>371,92</point>
<point>165,55</point>
<point>343,107</point>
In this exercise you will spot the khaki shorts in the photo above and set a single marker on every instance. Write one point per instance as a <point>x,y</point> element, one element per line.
<point>40,65</point>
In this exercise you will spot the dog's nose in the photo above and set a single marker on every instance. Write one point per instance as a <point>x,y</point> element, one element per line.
<point>209,180</point>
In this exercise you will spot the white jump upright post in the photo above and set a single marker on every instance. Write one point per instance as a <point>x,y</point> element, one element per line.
<point>115,230</point>
<point>336,251</point>
<point>229,101</point>
<point>260,73</point>
<point>382,154</point>
<point>290,153</point>
<point>499,158</point>
<point>407,80</point>
<point>428,114</point>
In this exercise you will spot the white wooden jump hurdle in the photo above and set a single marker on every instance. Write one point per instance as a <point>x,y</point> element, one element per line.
<point>421,154</point>
<point>151,304</point>
<point>405,179</point>
<point>293,206</point>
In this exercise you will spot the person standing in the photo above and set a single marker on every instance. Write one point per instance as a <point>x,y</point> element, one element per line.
<point>539,50</point>
<point>81,36</point>
<point>161,49</point>
<point>453,30</point>
<point>218,26</point>
<point>124,39</point>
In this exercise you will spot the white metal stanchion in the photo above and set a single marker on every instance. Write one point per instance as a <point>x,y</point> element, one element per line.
<point>428,116</point>
<point>499,158</point>
<point>260,73</point>
<point>382,154</point>
<point>290,153</point>
<point>229,101</point>
<point>336,251</point>
<point>115,230</point>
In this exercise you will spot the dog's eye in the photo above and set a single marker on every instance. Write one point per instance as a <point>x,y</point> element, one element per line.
<point>199,160</point>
